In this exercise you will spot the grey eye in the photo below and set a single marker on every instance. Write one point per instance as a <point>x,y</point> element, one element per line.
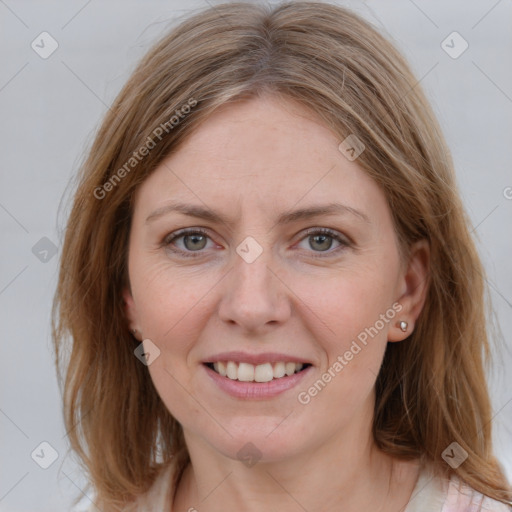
<point>196,241</point>
<point>321,242</point>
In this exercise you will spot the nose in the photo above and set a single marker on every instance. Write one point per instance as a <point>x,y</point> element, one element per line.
<point>254,297</point>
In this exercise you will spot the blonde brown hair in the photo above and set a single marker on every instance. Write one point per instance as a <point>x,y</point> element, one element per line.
<point>431,390</point>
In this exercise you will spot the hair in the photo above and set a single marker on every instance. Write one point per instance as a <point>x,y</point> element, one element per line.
<point>431,390</point>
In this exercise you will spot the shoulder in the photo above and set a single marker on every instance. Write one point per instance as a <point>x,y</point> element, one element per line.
<point>157,498</point>
<point>436,494</point>
<point>461,497</point>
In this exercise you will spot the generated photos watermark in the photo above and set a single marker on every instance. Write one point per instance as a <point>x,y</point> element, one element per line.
<point>304,397</point>
<point>454,455</point>
<point>351,147</point>
<point>144,150</point>
<point>146,352</point>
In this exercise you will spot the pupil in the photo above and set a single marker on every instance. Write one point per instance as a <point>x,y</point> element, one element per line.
<point>324,237</point>
<point>195,239</point>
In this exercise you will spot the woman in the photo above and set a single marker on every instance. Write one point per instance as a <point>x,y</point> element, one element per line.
<point>268,278</point>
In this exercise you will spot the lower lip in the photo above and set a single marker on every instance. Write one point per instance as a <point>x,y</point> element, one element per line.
<point>256,390</point>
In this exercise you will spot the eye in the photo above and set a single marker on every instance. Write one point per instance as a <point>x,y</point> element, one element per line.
<point>193,240</point>
<point>320,239</point>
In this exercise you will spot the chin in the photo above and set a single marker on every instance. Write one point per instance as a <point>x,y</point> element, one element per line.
<point>263,445</point>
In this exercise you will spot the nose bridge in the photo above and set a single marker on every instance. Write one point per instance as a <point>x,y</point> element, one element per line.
<point>253,297</point>
<point>252,262</point>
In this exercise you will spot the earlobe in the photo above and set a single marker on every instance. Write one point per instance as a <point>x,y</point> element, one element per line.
<point>413,288</point>
<point>403,326</point>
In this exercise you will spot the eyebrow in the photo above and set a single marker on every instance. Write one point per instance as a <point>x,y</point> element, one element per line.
<point>285,218</point>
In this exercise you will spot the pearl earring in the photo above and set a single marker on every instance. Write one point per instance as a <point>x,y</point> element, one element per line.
<point>403,326</point>
<point>134,331</point>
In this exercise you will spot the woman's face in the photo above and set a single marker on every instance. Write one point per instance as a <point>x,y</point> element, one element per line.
<point>265,287</point>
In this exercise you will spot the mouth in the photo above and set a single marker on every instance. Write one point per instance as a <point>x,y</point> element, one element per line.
<point>265,372</point>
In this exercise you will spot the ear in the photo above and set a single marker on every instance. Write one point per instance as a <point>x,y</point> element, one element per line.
<point>130,311</point>
<point>412,287</point>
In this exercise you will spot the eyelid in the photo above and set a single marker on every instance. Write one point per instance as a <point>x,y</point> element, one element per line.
<point>337,235</point>
<point>183,232</point>
<point>344,240</point>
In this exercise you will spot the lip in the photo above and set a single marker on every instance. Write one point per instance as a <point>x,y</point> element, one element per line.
<point>256,390</point>
<point>255,359</point>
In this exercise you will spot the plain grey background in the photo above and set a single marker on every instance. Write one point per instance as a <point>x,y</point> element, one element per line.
<point>51,107</point>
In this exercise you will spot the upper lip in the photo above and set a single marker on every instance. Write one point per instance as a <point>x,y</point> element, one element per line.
<point>255,359</point>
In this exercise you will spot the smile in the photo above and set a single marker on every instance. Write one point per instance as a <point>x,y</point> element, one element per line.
<point>261,381</point>
<point>246,372</point>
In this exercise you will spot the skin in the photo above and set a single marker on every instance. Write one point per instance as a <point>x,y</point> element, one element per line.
<point>252,161</point>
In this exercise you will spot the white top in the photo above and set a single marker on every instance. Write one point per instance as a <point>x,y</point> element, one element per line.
<point>435,494</point>
<point>431,494</point>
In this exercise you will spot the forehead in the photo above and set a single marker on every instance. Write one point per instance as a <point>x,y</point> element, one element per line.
<point>266,153</point>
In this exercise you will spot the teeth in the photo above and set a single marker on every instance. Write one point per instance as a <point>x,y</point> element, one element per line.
<point>232,370</point>
<point>263,373</point>
<point>289,368</point>
<point>246,372</point>
<point>279,370</point>
<point>221,368</point>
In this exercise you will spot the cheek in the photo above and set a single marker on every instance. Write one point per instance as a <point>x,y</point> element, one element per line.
<point>349,317</point>
<point>172,306</point>
<point>171,302</point>
<point>345,307</point>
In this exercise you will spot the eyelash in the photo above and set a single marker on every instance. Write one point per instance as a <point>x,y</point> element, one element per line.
<point>167,241</point>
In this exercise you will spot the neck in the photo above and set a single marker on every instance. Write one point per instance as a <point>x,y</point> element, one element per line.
<point>347,472</point>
